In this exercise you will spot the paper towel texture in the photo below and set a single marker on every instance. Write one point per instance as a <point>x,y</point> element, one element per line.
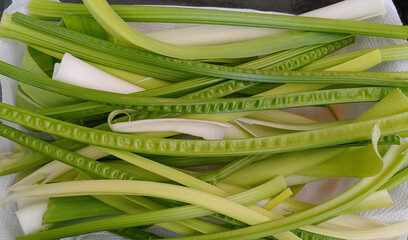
<point>12,52</point>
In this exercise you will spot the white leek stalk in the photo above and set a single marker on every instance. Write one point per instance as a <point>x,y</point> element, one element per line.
<point>215,34</point>
<point>199,128</point>
<point>77,72</point>
<point>30,217</point>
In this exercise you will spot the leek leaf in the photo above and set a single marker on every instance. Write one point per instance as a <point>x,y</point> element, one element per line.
<point>84,24</point>
<point>40,63</point>
<point>354,162</point>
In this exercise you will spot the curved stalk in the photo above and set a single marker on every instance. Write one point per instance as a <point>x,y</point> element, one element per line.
<point>209,16</point>
<point>245,198</point>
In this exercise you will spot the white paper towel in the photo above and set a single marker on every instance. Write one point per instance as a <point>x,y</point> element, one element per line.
<point>12,52</point>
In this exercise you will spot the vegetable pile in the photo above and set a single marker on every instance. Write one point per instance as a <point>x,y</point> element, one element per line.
<point>199,130</point>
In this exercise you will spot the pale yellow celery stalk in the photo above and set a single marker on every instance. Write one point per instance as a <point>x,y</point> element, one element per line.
<point>383,232</point>
<point>274,119</point>
<point>167,172</point>
<point>128,205</point>
<point>278,199</point>
<point>179,177</point>
<point>351,221</point>
<point>379,199</point>
<point>231,188</point>
<point>346,226</point>
<point>145,188</point>
<point>293,127</point>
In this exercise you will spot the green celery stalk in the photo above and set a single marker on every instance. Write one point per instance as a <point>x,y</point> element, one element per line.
<point>84,24</point>
<point>68,208</point>
<point>281,164</point>
<point>134,233</point>
<point>286,60</point>
<point>194,15</point>
<point>203,106</point>
<point>137,79</point>
<point>35,38</point>
<point>197,67</point>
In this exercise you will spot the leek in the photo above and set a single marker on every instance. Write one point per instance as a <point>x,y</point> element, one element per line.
<point>30,217</point>
<point>199,128</point>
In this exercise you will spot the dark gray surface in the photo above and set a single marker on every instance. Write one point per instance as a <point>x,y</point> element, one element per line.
<point>3,5</point>
<point>402,8</point>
